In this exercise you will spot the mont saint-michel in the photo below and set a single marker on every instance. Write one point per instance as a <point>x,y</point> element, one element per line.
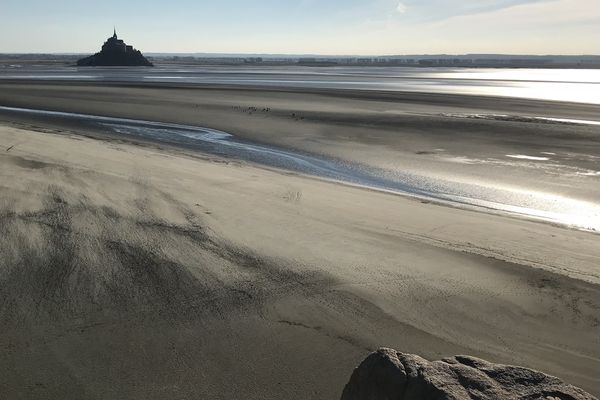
<point>115,52</point>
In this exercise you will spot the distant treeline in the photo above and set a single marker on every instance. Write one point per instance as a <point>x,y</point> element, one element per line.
<point>469,60</point>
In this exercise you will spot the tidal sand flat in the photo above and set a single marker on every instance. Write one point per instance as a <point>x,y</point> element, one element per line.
<point>136,264</point>
<point>531,158</point>
<point>141,270</point>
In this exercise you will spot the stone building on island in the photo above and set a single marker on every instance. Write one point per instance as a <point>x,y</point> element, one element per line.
<point>115,52</point>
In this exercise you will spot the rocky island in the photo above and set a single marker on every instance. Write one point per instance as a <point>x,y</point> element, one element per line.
<point>115,52</point>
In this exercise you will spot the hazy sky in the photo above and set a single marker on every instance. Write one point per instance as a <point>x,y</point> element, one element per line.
<point>305,26</point>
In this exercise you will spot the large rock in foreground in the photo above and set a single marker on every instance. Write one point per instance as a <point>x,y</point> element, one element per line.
<point>389,375</point>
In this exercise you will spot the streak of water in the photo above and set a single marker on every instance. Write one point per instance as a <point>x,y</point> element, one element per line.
<point>481,195</point>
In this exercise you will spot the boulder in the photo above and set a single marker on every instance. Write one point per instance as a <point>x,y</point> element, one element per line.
<point>390,375</point>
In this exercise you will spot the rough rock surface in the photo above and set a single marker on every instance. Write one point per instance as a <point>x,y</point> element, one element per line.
<point>389,375</point>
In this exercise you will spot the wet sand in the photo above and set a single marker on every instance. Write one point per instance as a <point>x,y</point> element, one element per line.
<point>411,132</point>
<point>477,195</point>
<point>141,271</point>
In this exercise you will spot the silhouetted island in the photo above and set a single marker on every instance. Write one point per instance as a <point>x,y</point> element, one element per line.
<point>115,53</point>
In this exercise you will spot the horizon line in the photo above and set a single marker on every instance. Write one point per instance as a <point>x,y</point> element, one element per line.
<point>321,54</point>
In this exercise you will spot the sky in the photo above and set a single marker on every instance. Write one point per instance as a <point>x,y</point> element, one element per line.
<point>345,27</point>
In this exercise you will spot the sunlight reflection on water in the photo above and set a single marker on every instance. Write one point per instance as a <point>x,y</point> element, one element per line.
<point>581,85</point>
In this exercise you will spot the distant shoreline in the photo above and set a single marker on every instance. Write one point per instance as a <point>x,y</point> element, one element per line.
<point>416,61</point>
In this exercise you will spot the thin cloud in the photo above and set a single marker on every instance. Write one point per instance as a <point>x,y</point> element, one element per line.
<point>401,8</point>
<point>443,9</point>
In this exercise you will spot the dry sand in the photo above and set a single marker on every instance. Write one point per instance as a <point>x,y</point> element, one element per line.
<point>141,272</point>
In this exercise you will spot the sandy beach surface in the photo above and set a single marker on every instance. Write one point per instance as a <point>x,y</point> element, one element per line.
<point>144,271</point>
